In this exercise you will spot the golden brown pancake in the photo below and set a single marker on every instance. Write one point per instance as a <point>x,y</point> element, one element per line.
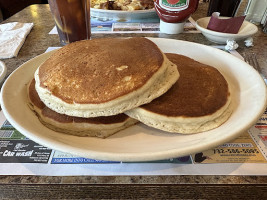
<point>98,126</point>
<point>98,77</point>
<point>197,102</point>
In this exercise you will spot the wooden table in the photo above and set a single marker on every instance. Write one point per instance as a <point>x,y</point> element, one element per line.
<point>124,187</point>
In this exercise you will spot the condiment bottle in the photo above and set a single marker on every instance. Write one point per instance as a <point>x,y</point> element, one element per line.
<point>174,13</point>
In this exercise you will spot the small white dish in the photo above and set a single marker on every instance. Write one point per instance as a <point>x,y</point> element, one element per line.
<point>2,71</point>
<point>246,30</point>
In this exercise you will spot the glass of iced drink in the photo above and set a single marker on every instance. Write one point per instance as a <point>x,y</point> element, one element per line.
<point>72,18</point>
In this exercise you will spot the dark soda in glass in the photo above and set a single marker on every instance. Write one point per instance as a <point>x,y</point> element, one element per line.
<point>72,18</point>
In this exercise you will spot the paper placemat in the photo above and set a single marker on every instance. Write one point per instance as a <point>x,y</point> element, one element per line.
<point>132,26</point>
<point>246,155</point>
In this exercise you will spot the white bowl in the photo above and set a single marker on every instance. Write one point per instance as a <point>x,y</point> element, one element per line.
<point>246,30</point>
<point>2,71</point>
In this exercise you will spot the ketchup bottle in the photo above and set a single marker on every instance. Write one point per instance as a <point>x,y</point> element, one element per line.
<point>174,13</point>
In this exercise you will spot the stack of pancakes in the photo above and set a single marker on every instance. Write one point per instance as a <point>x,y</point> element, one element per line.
<point>91,83</point>
<point>98,87</point>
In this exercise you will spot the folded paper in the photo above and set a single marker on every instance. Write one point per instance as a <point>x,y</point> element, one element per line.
<point>229,25</point>
<point>12,37</point>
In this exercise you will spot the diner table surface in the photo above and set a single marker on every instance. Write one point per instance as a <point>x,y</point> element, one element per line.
<point>124,187</point>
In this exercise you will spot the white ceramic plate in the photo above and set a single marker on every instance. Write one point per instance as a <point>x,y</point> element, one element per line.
<point>246,30</point>
<point>122,15</point>
<point>139,142</point>
<point>2,71</point>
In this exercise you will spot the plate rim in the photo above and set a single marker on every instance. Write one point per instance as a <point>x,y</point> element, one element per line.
<point>123,156</point>
<point>3,72</point>
<point>122,14</point>
<point>123,11</point>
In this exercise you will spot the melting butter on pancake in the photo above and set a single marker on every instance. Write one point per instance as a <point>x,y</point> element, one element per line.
<point>99,126</point>
<point>198,101</point>
<point>103,77</point>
